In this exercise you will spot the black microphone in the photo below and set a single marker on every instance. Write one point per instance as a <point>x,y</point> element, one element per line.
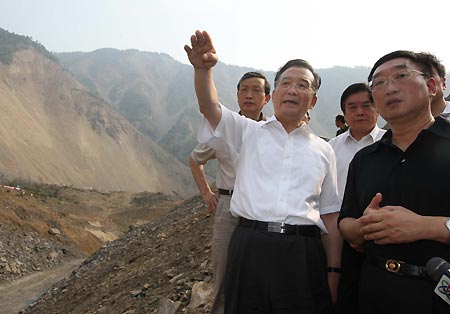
<point>436,267</point>
<point>439,270</point>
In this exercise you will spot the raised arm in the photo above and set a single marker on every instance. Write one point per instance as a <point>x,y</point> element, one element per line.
<point>203,57</point>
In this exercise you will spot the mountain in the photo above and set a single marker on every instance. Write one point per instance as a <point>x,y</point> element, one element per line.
<point>54,130</point>
<point>155,92</point>
<point>152,90</point>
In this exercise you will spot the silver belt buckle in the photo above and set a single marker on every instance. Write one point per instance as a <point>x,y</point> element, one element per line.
<point>276,227</point>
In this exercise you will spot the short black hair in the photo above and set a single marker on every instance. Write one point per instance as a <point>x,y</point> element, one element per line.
<point>434,62</point>
<point>341,118</point>
<point>257,75</point>
<point>354,89</point>
<point>300,63</point>
<point>424,65</point>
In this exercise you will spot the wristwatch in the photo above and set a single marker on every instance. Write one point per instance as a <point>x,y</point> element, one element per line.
<point>447,224</point>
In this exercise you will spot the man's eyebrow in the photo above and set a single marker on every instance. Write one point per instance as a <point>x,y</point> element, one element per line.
<point>400,66</point>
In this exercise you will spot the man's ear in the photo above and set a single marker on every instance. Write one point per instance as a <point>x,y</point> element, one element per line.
<point>313,102</point>
<point>432,87</point>
<point>444,83</point>
<point>267,98</point>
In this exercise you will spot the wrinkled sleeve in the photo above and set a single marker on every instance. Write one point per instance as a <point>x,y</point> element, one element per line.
<point>228,134</point>
<point>202,153</point>
<point>329,201</point>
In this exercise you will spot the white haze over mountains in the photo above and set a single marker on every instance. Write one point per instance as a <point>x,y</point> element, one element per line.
<point>260,34</point>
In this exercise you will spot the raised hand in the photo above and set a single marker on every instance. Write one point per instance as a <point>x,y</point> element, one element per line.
<point>393,224</point>
<point>202,55</point>
<point>374,204</point>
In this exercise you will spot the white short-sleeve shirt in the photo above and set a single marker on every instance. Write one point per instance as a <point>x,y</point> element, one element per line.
<point>225,171</point>
<point>345,147</point>
<point>280,177</point>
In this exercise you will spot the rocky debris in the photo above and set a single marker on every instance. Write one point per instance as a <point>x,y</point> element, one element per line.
<point>42,226</point>
<point>169,307</point>
<point>24,252</point>
<point>201,294</point>
<point>161,267</point>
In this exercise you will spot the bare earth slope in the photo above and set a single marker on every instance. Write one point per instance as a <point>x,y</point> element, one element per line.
<point>53,130</point>
<point>45,226</point>
<point>137,273</point>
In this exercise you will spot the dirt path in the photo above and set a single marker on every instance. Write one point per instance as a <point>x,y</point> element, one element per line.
<point>20,293</point>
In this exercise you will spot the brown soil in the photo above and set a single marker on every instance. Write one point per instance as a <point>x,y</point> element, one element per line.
<point>165,250</point>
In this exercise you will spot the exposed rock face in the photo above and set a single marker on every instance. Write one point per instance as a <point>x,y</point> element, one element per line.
<point>53,130</point>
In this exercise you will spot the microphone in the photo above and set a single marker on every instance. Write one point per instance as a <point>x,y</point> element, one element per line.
<point>439,270</point>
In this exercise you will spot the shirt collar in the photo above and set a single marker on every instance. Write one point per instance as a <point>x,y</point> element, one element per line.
<point>304,125</point>
<point>261,117</point>
<point>373,134</point>
<point>440,128</point>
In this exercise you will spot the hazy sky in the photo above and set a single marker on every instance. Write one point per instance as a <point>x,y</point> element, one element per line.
<point>255,33</point>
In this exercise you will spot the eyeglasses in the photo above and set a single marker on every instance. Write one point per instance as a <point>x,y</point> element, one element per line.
<point>302,86</point>
<point>398,77</point>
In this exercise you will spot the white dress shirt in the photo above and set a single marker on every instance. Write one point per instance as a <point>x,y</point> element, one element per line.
<point>280,177</point>
<point>345,147</point>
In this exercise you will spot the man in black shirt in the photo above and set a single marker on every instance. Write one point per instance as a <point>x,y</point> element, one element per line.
<point>395,204</point>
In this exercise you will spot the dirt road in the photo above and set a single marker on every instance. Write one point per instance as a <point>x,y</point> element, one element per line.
<point>18,294</point>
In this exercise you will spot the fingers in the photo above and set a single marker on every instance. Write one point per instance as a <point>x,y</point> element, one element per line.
<point>187,49</point>
<point>199,39</point>
<point>378,237</point>
<point>206,38</point>
<point>375,202</point>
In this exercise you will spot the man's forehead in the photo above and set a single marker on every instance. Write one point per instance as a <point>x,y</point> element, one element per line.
<point>393,65</point>
<point>253,81</point>
<point>358,98</point>
<point>297,73</point>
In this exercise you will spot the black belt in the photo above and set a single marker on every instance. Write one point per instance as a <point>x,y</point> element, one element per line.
<point>225,192</point>
<point>398,267</point>
<point>281,227</point>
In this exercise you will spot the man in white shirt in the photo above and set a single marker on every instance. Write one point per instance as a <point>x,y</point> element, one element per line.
<point>253,92</point>
<point>361,116</point>
<point>285,194</point>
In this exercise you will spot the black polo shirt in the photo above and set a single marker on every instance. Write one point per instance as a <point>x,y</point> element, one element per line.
<point>417,179</point>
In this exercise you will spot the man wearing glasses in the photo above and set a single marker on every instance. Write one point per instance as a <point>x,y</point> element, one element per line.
<point>253,92</point>
<point>395,203</point>
<point>285,194</point>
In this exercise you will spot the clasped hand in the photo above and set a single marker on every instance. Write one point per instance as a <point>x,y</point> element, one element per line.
<point>389,224</point>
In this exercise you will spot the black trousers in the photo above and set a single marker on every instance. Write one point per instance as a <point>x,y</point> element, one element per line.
<point>351,263</point>
<point>272,273</point>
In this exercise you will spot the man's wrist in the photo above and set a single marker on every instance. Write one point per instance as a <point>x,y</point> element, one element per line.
<point>447,224</point>
<point>334,270</point>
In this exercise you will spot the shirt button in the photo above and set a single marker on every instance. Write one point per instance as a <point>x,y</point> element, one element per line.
<point>403,160</point>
